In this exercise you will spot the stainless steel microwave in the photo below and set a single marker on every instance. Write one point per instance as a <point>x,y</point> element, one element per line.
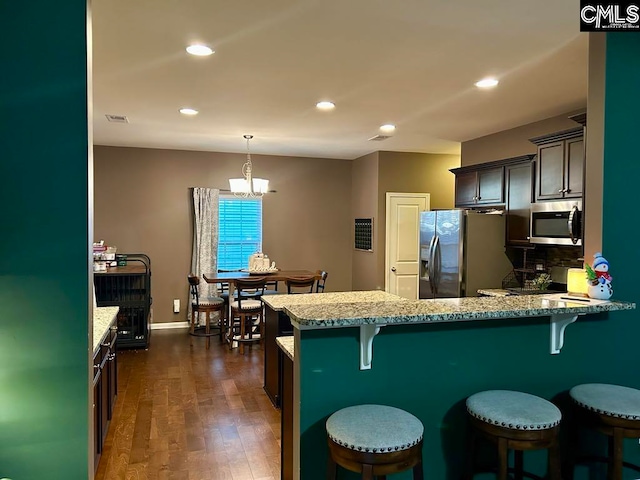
<point>556,223</point>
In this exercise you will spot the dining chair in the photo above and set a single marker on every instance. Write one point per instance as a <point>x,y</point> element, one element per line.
<point>323,278</point>
<point>206,306</point>
<point>223,291</point>
<point>300,284</point>
<point>247,316</point>
<point>271,288</point>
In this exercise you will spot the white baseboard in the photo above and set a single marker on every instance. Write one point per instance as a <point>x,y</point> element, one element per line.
<point>168,325</point>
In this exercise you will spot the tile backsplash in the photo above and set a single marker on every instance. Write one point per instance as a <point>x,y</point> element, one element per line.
<point>554,260</point>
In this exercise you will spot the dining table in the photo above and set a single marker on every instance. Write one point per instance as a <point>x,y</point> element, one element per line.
<point>231,277</point>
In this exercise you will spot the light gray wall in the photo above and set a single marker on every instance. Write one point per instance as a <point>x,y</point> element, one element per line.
<point>143,204</point>
<point>365,205</point>
<point>513,142</point>
<point>378,173</point>
<point>594,167</point>
<point>412,173</point>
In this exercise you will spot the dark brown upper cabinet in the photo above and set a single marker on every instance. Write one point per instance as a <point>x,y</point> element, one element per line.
<point>560,169</point>
<point>518,197</point>
<point>479,185</point>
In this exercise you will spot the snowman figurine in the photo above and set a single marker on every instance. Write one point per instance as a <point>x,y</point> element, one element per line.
<point>600,286</point>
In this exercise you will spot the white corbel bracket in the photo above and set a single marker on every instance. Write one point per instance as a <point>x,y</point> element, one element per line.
<point>367,332</point>
<point>559,323</point>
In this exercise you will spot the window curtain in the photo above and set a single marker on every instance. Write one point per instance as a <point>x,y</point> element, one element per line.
<point>204,256</point>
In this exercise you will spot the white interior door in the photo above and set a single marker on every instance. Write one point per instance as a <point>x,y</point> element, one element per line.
<point>402,256</point>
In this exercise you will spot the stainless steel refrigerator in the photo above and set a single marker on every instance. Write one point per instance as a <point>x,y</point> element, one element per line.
<point>461,251</point>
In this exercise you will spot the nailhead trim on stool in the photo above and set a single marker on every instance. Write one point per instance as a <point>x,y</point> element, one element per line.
<point>611,400</point>
<point>513,421</point>
<point>515,410</point>
<point>210,302</point>
<point>248,305</point>
<point>374,428</point>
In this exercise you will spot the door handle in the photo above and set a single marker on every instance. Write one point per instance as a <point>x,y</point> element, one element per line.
<point>571,225</point>
<point>437,263</point>
<point>393,269</point>
<point>434,269</point>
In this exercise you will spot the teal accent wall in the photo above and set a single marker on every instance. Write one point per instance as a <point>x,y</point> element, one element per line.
<point>429,370</point>
<point>621,221</point>
<point>44,243</point>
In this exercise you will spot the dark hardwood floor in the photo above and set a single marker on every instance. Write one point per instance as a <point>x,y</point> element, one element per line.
<point>184,412</point>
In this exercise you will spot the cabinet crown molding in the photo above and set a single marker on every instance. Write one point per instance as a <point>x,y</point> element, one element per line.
<point>493,164</point>
<point>558,136</point>
<point>580,118</point>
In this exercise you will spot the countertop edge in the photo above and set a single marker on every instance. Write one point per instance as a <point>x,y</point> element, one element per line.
<point>286,344</point>
<point>103,318</point>
<point>455,316</point>
<point>277,303</point>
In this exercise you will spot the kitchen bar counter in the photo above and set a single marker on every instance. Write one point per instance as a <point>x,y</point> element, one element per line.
<point>103,317</point>
<point>349,314</point>
<point>428,356</point>
<point>278,302</point>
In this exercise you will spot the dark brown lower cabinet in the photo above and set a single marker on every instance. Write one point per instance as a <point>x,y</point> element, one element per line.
<point>286,410</point>
<point>103,401</point>
<point>105,384</point>
<point>112,372</point>
<point>276,324</point>
<point>97,434</point>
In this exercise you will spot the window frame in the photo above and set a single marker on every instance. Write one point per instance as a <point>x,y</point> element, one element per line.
<point>244,244</point>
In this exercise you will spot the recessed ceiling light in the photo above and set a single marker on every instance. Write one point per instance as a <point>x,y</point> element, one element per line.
<point>188,111</point>
<point>387,128</point>
<point>199,50</point>
<point>487,83</point>
<point>325,105</point>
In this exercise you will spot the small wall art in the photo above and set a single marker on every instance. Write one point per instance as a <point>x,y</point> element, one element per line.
<point>364,234</point>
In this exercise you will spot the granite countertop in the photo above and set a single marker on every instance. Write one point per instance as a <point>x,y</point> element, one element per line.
<point>103,317</point>
<point>286,345</point>
<point>494,292</point>
<point>278,302</point>
<point>346,314</point>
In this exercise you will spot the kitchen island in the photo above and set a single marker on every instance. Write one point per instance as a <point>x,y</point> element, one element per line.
<point>277,324</point>
<point>427,356</point>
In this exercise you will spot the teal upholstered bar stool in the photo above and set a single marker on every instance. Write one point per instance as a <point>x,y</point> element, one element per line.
<point>612,410</point>
<point>375,441</point>
<point>514,421</point>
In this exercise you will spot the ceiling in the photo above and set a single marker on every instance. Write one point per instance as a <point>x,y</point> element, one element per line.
<point>411,63</point>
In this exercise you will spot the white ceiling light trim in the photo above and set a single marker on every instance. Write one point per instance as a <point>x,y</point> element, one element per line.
<point>248,186</point>
<point>188,111</point>
<point>325,105</point>
<point>199,50</point>
<point>388,128</point>
<point>487,83</point>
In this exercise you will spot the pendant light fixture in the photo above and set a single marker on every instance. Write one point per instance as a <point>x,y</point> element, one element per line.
<point>248,186</point>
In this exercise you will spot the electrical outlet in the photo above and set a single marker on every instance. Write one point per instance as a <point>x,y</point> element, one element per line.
<point>176,305</point>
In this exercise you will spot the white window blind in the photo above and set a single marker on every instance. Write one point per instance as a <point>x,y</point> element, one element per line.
<point>240,231</point>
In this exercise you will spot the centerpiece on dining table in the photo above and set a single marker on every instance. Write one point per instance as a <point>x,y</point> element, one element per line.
<point>259,264</point>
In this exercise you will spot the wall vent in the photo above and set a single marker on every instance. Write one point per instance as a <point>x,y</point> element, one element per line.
<point>379,138</point>
<point>117,118</point>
